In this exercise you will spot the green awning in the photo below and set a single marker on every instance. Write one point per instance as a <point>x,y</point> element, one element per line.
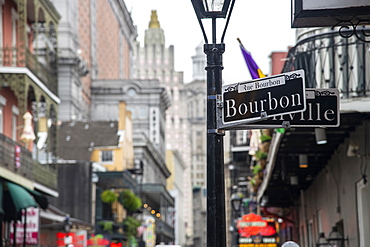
<point>22,199</point>
<point>41,200</point>
<point>14,198</point>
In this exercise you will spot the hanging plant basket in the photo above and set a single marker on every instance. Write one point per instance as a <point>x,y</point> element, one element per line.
<point>108,196</point>
<point>265,138</point>
<point>257,168</point>
<point>107,226</point>
<point>130,225</point>
<point>129,200</point>
<point>260,154</point>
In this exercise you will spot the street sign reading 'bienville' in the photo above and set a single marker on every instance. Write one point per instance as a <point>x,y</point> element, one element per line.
<point>252,101</point>
<point>322,111</point>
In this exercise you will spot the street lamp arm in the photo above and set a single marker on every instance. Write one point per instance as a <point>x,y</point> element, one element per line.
<point>227,21</point>
<point>204,13</point>
<point>197,12</point>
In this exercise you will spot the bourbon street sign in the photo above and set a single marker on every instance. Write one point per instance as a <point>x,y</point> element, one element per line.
<point>322,111</point>
<point>252,101</point>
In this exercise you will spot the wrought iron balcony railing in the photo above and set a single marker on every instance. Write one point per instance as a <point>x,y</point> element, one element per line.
<point>46,174</point>
<point>18,160</point>
<point>15,158</point>
<point>164,228</point>
<point>331,61</point>
<point>11,56</point>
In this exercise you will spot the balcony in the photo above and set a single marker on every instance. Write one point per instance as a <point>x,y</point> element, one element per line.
<point>115,233</point>
<point>13,57</point>
<point>8,154</point>
<point>331,61</point>
<point>162,228</point>
<point>27,167</point>
<point>46,175</point>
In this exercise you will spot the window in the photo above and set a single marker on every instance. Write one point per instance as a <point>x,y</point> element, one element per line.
<point>14,34</point>
<point>15,111</point>
<point>199,139</point>
<point>14,127</point>
<point>106,156</point>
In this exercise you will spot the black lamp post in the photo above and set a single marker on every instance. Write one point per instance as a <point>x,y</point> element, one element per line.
<point>216,223</point>
<point>236,201</point>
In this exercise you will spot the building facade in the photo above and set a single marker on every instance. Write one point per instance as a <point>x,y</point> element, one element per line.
<point>29,104</point>
<point>93,157</point>
<point>174,186</point>
<point>154,60</point>
<point>86,54</point>
<point>148,103</point>
<point>330,194</point>
<point>196,107</point>
<point>195,92</point>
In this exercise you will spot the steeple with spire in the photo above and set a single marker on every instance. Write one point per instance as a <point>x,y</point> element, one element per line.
<point>154,23</point>
<point>154,35</point>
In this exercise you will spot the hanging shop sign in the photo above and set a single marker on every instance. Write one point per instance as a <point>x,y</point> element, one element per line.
<point>74,239</point>
<point>31,230</point>
<point>254,230</point>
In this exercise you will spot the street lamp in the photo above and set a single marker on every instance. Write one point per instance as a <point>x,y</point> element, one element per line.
<point>67,228</point>
<point>236,200</point>
<point>213,9</point>
<point>322,242</point>
<point>336,239</point>
<point>67,224</point>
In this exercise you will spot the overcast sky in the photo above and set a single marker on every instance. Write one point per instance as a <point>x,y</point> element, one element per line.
<point>263,26</point>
